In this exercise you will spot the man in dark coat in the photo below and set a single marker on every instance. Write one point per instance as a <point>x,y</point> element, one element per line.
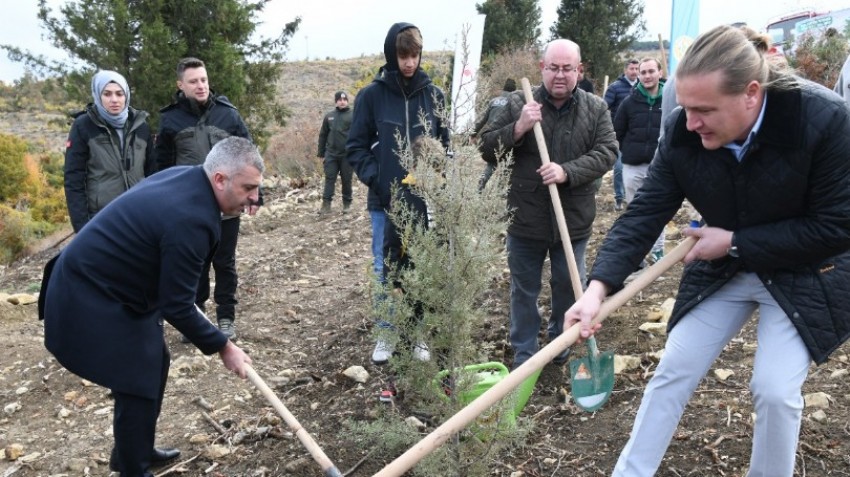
<point>188,128</point>
<point>332,137</point>
<point>582,148</point>
<point>618,91</point>
<point>134,266</point>
<point>764,157</point>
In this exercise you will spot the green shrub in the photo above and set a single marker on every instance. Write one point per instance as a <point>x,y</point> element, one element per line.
<point>13,169</point>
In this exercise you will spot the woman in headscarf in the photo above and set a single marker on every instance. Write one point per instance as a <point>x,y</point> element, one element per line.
<point>109,149</point>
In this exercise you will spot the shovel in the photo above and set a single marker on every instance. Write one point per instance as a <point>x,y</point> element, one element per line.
<point>468,414</point>
<point>592,377</point>
<point>306,439</point>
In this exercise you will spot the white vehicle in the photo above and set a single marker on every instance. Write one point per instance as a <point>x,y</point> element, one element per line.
<point>784,31</point>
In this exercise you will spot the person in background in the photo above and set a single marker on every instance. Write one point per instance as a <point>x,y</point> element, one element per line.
<point>188,128</point>
<point>332,137</point>
<point>108,151</point>
<point>401,102</point>
<point>617,91</point>
<point>494,104</point>
<point>842,86</point>
<point>763,155</point>
<point>583,148</point>
<point>638,125</point>
<point>585,83</point>
<point>133,267</point>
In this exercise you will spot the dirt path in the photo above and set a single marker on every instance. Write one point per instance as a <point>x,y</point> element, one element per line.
<point>304,318</point>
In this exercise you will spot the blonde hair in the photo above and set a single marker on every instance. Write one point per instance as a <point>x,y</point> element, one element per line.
<point>737,52</point>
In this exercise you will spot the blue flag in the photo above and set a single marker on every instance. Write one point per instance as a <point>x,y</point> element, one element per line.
<point>684,28</point>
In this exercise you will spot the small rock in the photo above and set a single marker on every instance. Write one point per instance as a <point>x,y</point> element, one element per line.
<point>518,473</point>
<point>818,416</point>
<point>22,299</point>
<point>199,439</point>
<point>187,366</point>
<point>14,451</point>
<point>71,395</point>
<point>12,408</point>
<point>216,451</point>
<point>657,328</point>
<point>625,363</point>
<point>30,457</point>
<point>839,373</point>
<point>357,373</point>
<point>818,400</point>
<point>63,413</point>
<point>550,461</point>
<point>667,309</point>
<point>415,423</point>
<point>314,406</point>
<point>76,465</point>
<point>723,374</point>
<point>297,466</point>
<point>21,390</point>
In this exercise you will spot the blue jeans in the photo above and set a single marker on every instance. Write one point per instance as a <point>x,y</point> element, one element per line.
<point>525,261</point>
<point>619,189</point>
<point>379,222</point>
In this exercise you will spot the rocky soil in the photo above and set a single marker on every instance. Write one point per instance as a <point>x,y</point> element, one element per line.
<point>304,317</point>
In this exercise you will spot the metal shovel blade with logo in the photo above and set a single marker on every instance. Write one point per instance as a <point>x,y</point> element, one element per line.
<point>592,377</point>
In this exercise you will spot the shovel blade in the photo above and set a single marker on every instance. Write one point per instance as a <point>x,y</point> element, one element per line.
<point>592,378</point>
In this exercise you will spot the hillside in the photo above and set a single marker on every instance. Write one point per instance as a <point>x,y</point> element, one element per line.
<point>304,317</point>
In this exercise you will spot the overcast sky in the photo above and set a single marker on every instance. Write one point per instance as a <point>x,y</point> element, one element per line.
<point>345,29</point>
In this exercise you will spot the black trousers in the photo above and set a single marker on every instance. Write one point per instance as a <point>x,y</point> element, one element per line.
<point>134,426</point>
<point>224,263</point>
<point>334,166</point>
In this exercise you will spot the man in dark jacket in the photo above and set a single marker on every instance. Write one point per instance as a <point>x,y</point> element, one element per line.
<point>494,104</point>
<point>618,91</point>
<point>401,102</point>
<point>582,148</point>
<point>332,137</point>
<point>763,156</point>
<point>638,125</point>
<point>135,265</point>
<point>188,129</point>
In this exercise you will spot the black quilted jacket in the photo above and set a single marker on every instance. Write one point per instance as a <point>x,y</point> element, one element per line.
<point>581,139</point>
<point>788,202</point>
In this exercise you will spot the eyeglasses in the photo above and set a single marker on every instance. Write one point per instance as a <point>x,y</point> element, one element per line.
<point>555,69</point>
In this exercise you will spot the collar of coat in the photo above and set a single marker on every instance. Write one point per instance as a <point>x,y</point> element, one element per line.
<point>782,124</point>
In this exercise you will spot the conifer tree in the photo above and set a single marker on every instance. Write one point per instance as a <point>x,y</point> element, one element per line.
<point>603,29</point>
<point>144,39</point>
<point>509,24</point>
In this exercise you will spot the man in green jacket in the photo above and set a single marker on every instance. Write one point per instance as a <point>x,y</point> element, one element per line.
<point>582,148</point>
<point>332,139</point>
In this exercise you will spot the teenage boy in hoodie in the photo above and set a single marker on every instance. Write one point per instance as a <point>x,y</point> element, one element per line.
<point>638,126</point>
<point>401,102</point>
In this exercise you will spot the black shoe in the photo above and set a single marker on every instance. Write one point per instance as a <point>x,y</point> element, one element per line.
<point>618,205</point>
<point>228,328</point>
<point>159,457</point>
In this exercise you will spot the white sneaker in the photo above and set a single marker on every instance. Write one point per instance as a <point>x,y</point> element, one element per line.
<point>421,352</point>
<point>383,352</point>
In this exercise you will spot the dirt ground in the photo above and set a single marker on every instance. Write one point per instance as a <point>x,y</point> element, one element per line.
<point>304,317</point>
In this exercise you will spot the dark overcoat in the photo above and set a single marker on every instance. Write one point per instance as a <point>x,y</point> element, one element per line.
<point>137,263</point>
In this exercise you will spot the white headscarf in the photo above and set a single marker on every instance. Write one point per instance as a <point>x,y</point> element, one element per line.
<point>98,83</point>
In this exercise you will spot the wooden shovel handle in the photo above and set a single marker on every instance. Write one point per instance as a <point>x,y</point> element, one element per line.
<point>501,389</point>
<point>315,451</point>
<point>575,279</point>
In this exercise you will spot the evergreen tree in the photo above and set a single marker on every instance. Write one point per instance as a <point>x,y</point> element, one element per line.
<point>144,39</point>
<point>509,24</point>
<point>603,30</point>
